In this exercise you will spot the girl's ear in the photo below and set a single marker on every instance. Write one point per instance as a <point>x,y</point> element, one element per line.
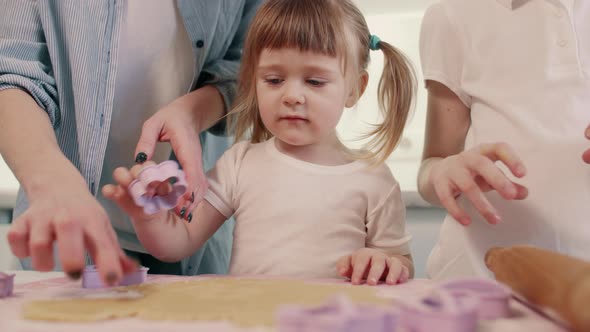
<point>358,90</point>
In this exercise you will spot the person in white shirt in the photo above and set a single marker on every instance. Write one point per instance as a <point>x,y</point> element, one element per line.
<point>508,104</point>
<point>304,204</point>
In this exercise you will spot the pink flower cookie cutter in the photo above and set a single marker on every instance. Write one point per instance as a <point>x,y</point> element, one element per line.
<point>91,278</point>
<point>143,189</point>
<point>337,315</point>
<point>6,284</point>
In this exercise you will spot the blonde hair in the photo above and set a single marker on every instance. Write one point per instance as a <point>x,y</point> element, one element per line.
<point>322,26</point>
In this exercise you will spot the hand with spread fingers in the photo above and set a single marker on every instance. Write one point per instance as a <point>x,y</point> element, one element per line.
<point>373,266</point>
<point>67,215</point>
<point>474,172</point>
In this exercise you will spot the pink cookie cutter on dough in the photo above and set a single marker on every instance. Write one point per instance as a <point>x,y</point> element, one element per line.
<point>143,190</point>
<point>91,278</point>
<point>6,284</point>
<point>337,315</point>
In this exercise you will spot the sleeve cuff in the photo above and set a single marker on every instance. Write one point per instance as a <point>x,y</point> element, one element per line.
<point>441,78</point>
<point>228,92</point>
<point>219,204</point>
<point>38,92</point>
<point>398,247</point>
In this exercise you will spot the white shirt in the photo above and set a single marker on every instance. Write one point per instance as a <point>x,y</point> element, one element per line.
<point>523,68</point>
<point>295,218</point>
<point>155,66</point>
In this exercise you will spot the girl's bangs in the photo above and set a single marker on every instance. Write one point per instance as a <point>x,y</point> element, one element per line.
<point>308,25</point>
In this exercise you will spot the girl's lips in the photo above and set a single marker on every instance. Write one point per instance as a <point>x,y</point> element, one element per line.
<point>293,118</point>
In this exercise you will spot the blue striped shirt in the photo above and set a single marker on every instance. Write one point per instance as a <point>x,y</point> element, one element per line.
<point>60,52</point>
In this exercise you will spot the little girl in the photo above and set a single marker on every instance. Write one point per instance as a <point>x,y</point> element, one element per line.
<point>304,204</point>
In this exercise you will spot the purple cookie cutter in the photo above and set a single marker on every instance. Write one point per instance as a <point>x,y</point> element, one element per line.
<point>91,278</point>
<point>453,306</point>
<point>440,311</point>
<point>6,284</point>
<point>143,189</point>
<point>457,305</point>
<point>493,298</point>
<point>337,315</point>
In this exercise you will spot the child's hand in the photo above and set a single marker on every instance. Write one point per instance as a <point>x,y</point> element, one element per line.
<point>120,193</point>
<point>473,172</point>
<point>372,265</point>
<point>586,155</point>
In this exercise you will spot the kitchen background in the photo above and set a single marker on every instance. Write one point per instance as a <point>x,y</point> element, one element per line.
<point>394,21</point>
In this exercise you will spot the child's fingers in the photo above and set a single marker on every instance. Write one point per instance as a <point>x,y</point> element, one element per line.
<point>447,200</point>
<point>404,276</point>
<point>395,270</point>
<point>120,196</point>
<point>506,154</point>
<point>522,191</point>
<point>108,191</point>
<point>137,168</point>
<point>163,188</point>
<point>343,266</point>
<point>360,264</point>
<point>123,176</point>
<point>376,269</point>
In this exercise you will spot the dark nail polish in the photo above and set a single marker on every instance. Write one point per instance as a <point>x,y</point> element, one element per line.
<point>193,197</point>
<point>111,278</point>
<point>182,212</point>
<point>75,275</point>
<point>190,217</point>
<point>140,158</point>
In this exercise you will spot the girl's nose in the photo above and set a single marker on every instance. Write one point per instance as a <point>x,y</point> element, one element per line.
<point>293,94</point>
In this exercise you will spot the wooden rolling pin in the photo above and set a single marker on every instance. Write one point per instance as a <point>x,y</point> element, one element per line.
<point>546,279</point>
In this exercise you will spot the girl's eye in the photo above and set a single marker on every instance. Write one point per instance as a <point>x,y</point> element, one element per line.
<point>273,81</point>
<point>316,83</point>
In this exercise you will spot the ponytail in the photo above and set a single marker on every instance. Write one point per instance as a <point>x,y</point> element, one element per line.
<point>396,92</point>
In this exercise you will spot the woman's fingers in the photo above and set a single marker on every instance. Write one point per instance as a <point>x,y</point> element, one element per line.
<point>506,154</point>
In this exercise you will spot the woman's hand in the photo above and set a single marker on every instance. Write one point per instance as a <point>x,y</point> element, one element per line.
<point>180,123</point>
<point>64,212</point>
<point>473,172</point>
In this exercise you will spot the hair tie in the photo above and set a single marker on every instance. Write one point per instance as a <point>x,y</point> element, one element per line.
<point>374,42</point>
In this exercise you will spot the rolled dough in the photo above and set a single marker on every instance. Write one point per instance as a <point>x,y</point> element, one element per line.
<point>244,302</point>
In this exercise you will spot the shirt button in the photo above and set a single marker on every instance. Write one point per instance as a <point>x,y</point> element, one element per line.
<point>200,43</point>
<point>562,42</point>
